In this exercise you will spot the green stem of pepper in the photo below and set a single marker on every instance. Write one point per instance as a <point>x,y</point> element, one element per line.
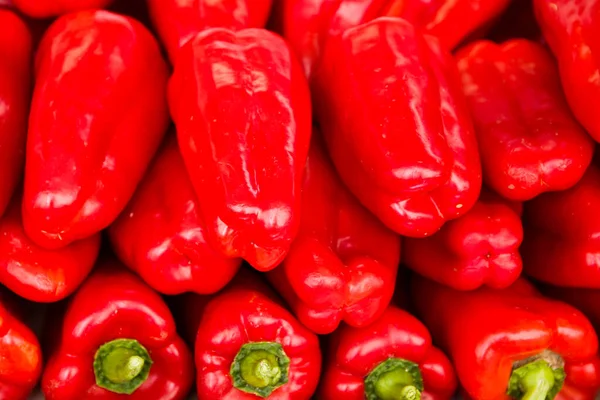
<point>394,379</point>
<point>536,380</point>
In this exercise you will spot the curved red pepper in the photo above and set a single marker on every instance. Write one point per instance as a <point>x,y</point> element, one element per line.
<point>562,234</point>
<point>111,305</point>
<point>242,327</point>
<point>38,274</point>
<point>160,235</point>
<point>99,94</point>
<point>15,91</point>
<point>342,265</point>
<point>53,8</point>
<point>396,125</point>
<point>20,352</point>
<point>511,341</point>
<point>479,248</point>
<point>355,353</point>
<point>529,141</point>
<point>251,165</point>
<point>178,21</point>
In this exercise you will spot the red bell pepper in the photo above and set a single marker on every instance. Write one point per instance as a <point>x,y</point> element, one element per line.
<point>562,235</point>
<point>20,352</point>
<point>343,264</point>
<point>160,235</point>
<point>247,344</point>
<point>15,91</point>
<point>117,337</point>
<point>397,126</point>
<point>479,248</point>
<point>529,141</point>
<point>509,343</point>
<point>178,21</point>
<point>251,165</point>
<point>393,358</point>
<point>38,274</point>
<point>571,30</point>
<point>98,115</point>
<point>53,8</point>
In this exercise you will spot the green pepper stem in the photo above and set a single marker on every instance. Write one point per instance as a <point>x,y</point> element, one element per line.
<point>394,379</point>
<point>536,381</point>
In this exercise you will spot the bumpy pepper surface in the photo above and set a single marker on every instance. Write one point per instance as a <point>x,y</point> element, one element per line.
<point>242,109</point>
<point>15,93</point>
<point>479,248</point>
<point>509,343</point>
<point>249,346</point>
<point>117,339</point>
<point>529,140</point>
<point>342,266</point>
<point>160,234</point>
<point>391,359</point>
<point>178,21</point>
<point>397,126</point>
<point>98,115</point>
<point>53,8</point>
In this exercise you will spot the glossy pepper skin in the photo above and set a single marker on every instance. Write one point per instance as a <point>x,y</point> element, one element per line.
<point>117,337</point>
<point>160,234</point>
<point>479,248</point>
<point>343,264</point>
<point>561,236</point>
<point>53,8</point>
<point>178,21</point>
<point>15,91</point>
<point>20,352</point>
<point>529,141</point>
<point>251,165</point>
<point>378,97</point>
<point>38,274</point>
<point>248,346</point>
<point>396,343</point>
<point>80,168</point>
<point>570,28</point>
<point>508,343</point>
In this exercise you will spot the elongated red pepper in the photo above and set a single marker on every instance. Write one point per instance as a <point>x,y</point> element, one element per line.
<point>20,352</point>
<point>98,115</point>
<point>397,126</point>
<point>529,141</point>
<point>15,91</point>
<point>571,29</point>
<point>479,248</point>
<point>53,8</point>
<point>178,21</point>
<point>509,343</point>
<point>160,235</point>
<point>117,337</point>
<point>342,265</point>
<point>249,346</point>
<point>391,359</point>
<point>562,235</point>
<point>251,165</point>
<point>38,274</point>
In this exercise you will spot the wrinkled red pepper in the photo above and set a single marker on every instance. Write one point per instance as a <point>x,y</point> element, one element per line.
<point>117,337</point>
<point>53,8</point>
<point>393,358</point>
<point>15,91</point>
<point>251,165</point>
<point>99,94</point>
<point>160,235</point>
<point>479,248</point>
<point>20,352</point>
<point>529,141</point>
<point>178,21</point>
<point>38,274</point>
<point>508,343</point>
<point>247,345</point>
<point>397,127</point>
<point>571,29</point>
<point>562,235</point>
<point>342,265</point>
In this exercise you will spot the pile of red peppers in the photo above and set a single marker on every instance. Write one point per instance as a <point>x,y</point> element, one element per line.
<point>299,199</point>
